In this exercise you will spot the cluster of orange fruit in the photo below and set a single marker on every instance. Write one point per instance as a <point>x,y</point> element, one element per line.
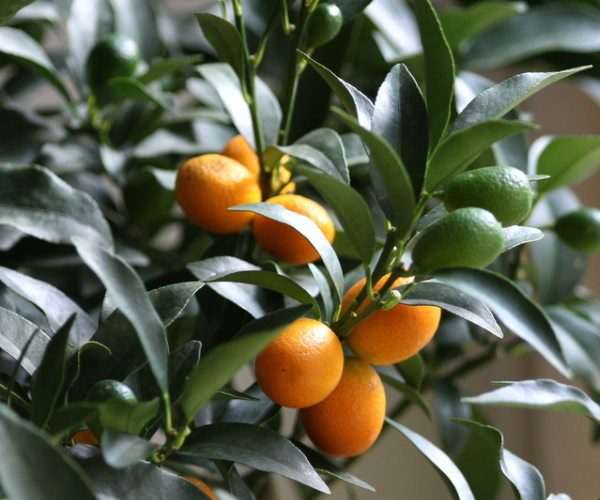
<point>341,398</point>
<point>209,184</point>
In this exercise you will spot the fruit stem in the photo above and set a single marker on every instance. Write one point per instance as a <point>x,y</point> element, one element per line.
<point>288,29</point>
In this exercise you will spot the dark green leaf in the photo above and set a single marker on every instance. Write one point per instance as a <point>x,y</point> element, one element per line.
<point>455,301</point>
<point>49,378</point>
<point>460,148</point>
<point>412,370</point>
<point>127,416</point>
<point>10,8</point>
<point>351,210</point>
<point>555,26</point>
<point>250,411</point>
<point>353,100</point>
<point>218,366</point>
<point>307,228</point>
<point>32,468</point>
<point>124,87</point>
<point>324,290</point>
<point>444,465</point>
<point>518,235</point>
<point>512,306</point>
<point>14,335</point>
<point>269,111</point>
<point>226,40</point>
<point>56,306</point>
<point>165,67</point>
<point>122,450</point>
<point>392,379</point>
<point>567,160</point>
<point>439,70</point>
<point>254,446</point>
<point>448,406</point>
<point>70,418</point>
<point>37,202</point>
<point>390,179</point>
<point>19,45</point>
<point>329,142</point>
<point>317,159</point>
<point>541,394</point>
<point>400,117</point>
<point>128,292</point>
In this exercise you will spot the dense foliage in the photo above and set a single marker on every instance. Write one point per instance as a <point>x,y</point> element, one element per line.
<point>103,277</point>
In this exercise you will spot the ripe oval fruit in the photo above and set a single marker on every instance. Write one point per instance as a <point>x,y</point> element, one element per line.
<point>348,421</point>
<point>240,150</point>
<point>208,185</point>
<point>110,389</point>
<point>388,337</point>
<point>302,365</point>
<point>324,24</point>
<point>580,229</point>
<point>467,237</point>
<point>283,241</point>
<point>504,191</point>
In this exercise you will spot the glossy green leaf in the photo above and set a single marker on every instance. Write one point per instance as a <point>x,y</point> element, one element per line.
<point>37,202</point>
<point>389,176</point>
<point>256,447</point>
<point>567,160</point>
<point>516,311</point>
<point>17,44</point>
<point>455,301</point>
<point>122,450</point>
<point>226,40</point>
<point>309,230</point>
<point>350,209</point>
<point>330,143</point>
<point>269,111</point>
<point>271,281</point>
<point>497,101</point>
<point>353,100</point>
<point>551,27</point>
<point>33,468</point>
<point>526,480</point>
<point>49,378</point>
<point>460,148</point>
<point>541,394</point>
<point>14,335</point>
<point>518,235</point>
<point>315,158</point>
<point>400,117</point>
<point>55,305</point>
<point>165,67</point>
<point>128,292</point>
<point>256,410</point>
<point>10,8</point>
<point>220,364</point>
<point>439,70</point>
<point>444,465</point>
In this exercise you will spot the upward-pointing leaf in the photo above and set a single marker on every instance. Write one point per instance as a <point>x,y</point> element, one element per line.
<point>439,70</point>
<point>9,9</point>
<point>129,295</point>
<point>498,100</point>
<point>226,40</point>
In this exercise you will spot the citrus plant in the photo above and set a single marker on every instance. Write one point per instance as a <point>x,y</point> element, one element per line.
<point>325,192</point>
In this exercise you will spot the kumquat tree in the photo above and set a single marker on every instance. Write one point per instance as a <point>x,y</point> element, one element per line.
<point>240,239</point>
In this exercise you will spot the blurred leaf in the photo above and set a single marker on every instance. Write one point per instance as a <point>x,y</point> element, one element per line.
<point>10,8</point>
<point>567,160</point>
<point>14,335</point>
<point>70,418</point>
<point>247,297</point>
<point>166,67</point>
<point>512,306</point>
<point>460,148</point>
<point>351,8</point>
<point>220,364</point>
<point>448,406</point>
<point>269,111</point>
<point>394,380</point>
<point>388,174</point>
<point>307,228</point>
<point>18,45</point>
<point>550,27</point>
<point>455,301</point>
<point>33,468</point>
<point>123,450</point>
<point>351,210</point>
<point>329,142</point>
<point>400,117</point>
<point>49,378</point>
<point>412,370</point>
<point>138,20</point>
<point>541,394</point>
<point>353,100</point>
<point>526,480</point>
<point>444,465</point>
<point>226,40</point>
<point>55,305</point>
<point>9,237</point>
<point>127,290</point>
<point>518,235</point>
<point>37,202</point>
<point>127,416</point>
<point>439,70</point>
<point>254,446</point>
<point>271,281</point>
<point>125,87</point>
<point>558,496</point>
<point>497,101</point>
